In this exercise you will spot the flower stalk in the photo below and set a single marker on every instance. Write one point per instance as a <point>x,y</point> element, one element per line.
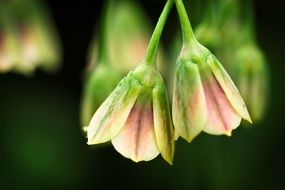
<point>151,53</point>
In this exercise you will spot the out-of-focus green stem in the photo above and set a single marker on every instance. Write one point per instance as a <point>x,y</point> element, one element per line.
<point>151,53</point>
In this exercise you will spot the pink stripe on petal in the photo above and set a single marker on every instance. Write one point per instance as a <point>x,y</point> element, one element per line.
<point>222,118</point>
<point>228,87</point>
<point>137,140</point>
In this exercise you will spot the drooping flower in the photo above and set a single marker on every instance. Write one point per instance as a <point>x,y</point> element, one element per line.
<point>38,39</point>
<point>32,33</point>
<point>204,98</point>
<point>136,115</point>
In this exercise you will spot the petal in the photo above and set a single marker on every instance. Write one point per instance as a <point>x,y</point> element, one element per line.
<point>162,123</point>
<point>228,87</point>
<point>137,140</point>
<point>189,104</point>
<point>222,118</point>
<point>113,113</point>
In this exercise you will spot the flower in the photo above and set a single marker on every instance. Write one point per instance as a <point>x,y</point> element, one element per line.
<point>136,117</point>
<point>205,98</point>
<point>251,76</point>
<point>28,38</point>
<point>38,38</point>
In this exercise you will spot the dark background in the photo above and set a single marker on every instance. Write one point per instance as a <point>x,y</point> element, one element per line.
<point>42,144</point>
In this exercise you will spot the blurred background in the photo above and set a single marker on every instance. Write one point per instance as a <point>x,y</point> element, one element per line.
<point>43,146</point>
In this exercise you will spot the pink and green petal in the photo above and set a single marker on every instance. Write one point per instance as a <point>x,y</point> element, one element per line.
<point>189,104</point>
<point>222,118</point>
<point>228,87</point>
<point>137,139</point>
<point>113,113</point>
<point>162,123</point>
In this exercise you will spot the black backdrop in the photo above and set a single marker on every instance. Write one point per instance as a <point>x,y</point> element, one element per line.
<point>43,146</point>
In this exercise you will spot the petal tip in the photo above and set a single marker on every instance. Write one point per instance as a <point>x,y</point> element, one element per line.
<point>92,142</point>
<point>229,133</point>
<point>249,120</point>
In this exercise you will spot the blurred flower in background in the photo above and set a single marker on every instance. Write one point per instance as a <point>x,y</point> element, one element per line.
<point>28,38</point>
<point>250,69</point>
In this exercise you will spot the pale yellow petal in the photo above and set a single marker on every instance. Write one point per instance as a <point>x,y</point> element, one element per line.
<point>162,123</point>
<point>189,104</point>
<point>137,140</point>
<point>113,113</point>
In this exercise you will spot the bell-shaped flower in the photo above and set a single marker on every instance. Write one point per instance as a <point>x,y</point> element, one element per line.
<point>38,38</point>
<point>250,73</point>
<point>136,117</point>
<point>31,41</point>
<point>204,97</point>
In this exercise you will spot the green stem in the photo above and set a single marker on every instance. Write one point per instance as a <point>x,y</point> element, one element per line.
<point>187,32</point>
<point>151,53</point>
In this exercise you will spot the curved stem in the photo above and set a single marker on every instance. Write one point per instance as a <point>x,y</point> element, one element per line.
<point>151,53</point>
<point>187,32</point>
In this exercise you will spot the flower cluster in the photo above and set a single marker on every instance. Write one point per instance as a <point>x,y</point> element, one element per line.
<point>136,115</point>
